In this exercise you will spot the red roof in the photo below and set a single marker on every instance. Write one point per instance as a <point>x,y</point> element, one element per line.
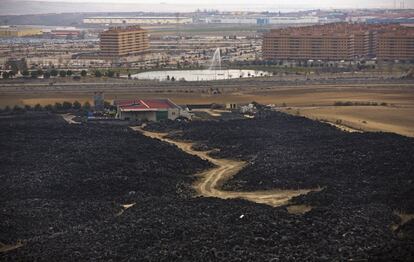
<point>145,104</point>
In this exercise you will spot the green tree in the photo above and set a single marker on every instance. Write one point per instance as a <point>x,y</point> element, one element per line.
<point>38,107</point>
<point>18,109</point>
<point>40,72</point>
<point>25,73</point>
<point>5,75</point>
<point>77,105</point>
<point>66,105</point>
<point>84,73</point>
<point>49,107</point>
<point>98,73</point>
<point>62,73</point>
<point>69,72</point>
<point>58,106</point>
<point>110,73</point>
<point>86,106</point>
<point>46,75</point>
<point>33,74</point>
<point>54,72</point>
<point>107,104</point>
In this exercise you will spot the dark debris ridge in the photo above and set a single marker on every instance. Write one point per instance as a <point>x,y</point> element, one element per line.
<point>62,186</point>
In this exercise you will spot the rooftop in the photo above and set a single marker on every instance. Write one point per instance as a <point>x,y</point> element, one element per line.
<point>335,29</point>
<point>124,29</point>
<point>145,104</point>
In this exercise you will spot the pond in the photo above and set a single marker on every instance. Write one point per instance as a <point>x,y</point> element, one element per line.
<point>199,75</point>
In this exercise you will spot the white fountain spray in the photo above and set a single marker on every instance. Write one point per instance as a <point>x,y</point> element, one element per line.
<point>216,61</point>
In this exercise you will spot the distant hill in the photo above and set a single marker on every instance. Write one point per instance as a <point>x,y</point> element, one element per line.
<point>67,19</point>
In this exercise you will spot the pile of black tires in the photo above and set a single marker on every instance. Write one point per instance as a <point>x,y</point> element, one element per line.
<point>63,186</point>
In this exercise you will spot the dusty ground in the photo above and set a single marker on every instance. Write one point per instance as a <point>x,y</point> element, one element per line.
<point>210,181</point>
<point>311,100</point>
<point>398,120</point>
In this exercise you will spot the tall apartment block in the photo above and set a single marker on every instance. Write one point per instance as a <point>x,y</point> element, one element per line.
<point>340,41</point>
<point>123,41</point>
<point>395,45</point>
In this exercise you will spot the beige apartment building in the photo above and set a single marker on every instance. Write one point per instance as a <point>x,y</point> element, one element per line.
<point>340,41</point>
<point>396,45</point>
<point>123,41</point>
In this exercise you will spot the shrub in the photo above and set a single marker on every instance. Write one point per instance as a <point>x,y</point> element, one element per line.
<point>58,106</point>
<point>46,75</point>
<point>5,75</point>
<point>38,107</point>
<point>33,74</point>
<point>54,72</point>
<point>77,105</point>
<point>25,73</point>
<point>17,109</point>
<point>86,106</point>
<point>66,105</point>
<point>49,107</point>
<point>110,73</point>
<point>98,73</point>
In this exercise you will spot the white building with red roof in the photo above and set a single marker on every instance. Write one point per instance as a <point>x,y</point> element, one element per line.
<point>147,109</point>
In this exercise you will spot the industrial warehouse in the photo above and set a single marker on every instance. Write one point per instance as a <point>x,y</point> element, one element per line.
<point>340,41</point>
<point>137,20</point>
<point>147,110</point>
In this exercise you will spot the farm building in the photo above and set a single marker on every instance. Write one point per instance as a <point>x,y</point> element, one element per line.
<point>148,109</point>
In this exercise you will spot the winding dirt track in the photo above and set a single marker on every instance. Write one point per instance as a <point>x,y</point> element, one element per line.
<point>210,181</point>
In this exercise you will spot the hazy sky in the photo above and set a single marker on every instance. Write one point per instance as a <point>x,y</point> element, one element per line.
<point>283,4</point>
<point>23,7</point>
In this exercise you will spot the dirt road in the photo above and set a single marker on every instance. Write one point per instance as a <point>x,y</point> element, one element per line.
<point>69,118</point>
<point>210,181</point>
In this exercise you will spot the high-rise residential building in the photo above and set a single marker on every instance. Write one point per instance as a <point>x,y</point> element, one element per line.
<point>396,45</point>
<point>123,41</point>
<point>340,41</point>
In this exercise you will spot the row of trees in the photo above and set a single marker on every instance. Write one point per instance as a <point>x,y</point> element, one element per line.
<point>57,107</point>
<point>46,74</point>
<point>53,72</point>
<point>61,73</point>
<point>108,73</point>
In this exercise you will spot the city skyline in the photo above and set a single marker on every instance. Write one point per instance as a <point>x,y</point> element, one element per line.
<point>323,4</point>
<point>20,7</point>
